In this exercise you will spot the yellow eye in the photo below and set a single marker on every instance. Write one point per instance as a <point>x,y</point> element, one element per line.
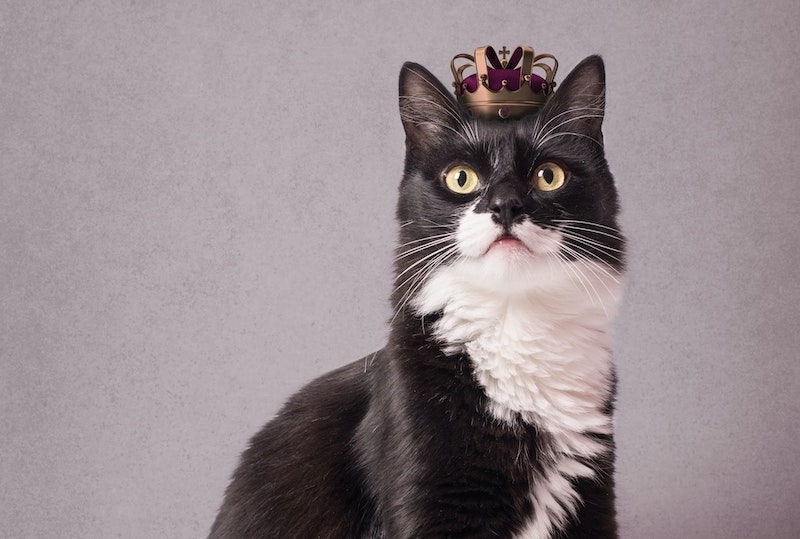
<point>548,177</point>
<point>461,179</point>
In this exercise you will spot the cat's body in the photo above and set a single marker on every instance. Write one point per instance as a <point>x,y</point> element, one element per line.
<point>488,412</point>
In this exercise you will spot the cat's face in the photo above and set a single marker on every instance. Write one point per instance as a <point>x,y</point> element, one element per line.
<point>513,205</point>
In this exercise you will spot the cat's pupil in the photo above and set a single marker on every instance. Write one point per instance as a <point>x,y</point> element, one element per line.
<point>462,178</point>
<point>548,175</point>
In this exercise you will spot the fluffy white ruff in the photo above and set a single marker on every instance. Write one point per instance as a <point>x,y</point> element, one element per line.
<point>536,330</point>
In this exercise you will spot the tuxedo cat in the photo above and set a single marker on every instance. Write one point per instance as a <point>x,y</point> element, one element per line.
<point>489,411</point>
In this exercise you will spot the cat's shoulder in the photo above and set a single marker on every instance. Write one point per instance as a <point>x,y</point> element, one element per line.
<point>307,446</point>
<point>338,397</point>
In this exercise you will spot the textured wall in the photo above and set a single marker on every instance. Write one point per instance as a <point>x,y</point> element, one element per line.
<point>196,217</point>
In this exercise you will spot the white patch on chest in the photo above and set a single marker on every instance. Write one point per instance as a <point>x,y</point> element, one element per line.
<point>536,329</point>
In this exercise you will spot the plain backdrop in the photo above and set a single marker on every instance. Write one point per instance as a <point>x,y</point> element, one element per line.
<point>196,218</point>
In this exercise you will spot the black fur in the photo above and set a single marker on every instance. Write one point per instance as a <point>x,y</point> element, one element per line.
<point>400,444</point>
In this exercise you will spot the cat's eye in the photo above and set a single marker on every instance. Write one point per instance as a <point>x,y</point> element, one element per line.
<point>548,177</point>
<point>462,179</point>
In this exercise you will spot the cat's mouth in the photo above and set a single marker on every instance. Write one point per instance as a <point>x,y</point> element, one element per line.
<point>507,242</point>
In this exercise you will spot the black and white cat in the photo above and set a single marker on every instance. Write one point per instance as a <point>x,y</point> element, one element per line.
<point>489,411</point>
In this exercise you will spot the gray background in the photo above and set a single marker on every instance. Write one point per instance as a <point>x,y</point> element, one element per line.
<point>196,217</point>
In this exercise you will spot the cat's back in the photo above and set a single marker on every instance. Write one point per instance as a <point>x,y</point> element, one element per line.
<point>298,477</point>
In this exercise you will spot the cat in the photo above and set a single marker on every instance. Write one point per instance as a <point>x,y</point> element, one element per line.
<point>489,411</point>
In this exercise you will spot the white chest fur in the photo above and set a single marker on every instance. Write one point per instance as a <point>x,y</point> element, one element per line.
<point>541,352</point>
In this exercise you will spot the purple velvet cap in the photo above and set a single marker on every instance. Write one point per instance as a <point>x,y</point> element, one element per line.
<point>498,73</point>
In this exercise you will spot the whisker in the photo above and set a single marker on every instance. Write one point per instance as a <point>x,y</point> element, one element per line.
<point>592,266</point>
<point>422,260</point>
<point>569,120</point>
<point>431,224</point>
<point>422,275</point>
<point>587,223</point>
<point>572,228</point>
<point>544,133</point>
<point>575,271</point>
<point>570,111</point>
<point>571,269</point>
<point>578,270</point>
<point>412,279</point>
<point>586,226</point>
<point>586,259</point>
<point>418,248</point>
<point>568,134</point>
<point>427,238</point>
<point>590,245</point>
<point>419,277</point>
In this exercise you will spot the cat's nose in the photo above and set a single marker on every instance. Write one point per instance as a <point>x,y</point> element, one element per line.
<point>505,203</point>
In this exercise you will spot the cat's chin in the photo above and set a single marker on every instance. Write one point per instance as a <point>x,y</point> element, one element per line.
<point>510,258</point>
<point>503,271</point>
<point>510,265</point>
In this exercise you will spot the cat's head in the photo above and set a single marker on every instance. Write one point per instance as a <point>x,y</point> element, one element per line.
<point>515,205</point>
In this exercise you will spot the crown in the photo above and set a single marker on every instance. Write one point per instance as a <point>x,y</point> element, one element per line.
<point>505,88</point>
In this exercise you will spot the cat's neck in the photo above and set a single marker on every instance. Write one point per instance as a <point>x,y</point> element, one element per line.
<point>541,352</point>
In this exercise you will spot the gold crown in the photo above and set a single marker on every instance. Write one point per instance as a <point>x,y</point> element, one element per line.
<point>507,87</point>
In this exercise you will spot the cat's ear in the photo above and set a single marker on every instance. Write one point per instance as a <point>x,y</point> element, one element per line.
<point>428,111</point>
<point>578,104</point>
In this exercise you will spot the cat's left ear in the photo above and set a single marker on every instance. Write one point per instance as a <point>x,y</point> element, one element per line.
<point>428,111</point>
<point>579,102</point>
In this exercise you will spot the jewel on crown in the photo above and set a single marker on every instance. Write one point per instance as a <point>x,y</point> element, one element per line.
<point>492,87</point>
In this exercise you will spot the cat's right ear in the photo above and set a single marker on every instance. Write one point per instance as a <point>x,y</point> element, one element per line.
<point>428,111</point>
